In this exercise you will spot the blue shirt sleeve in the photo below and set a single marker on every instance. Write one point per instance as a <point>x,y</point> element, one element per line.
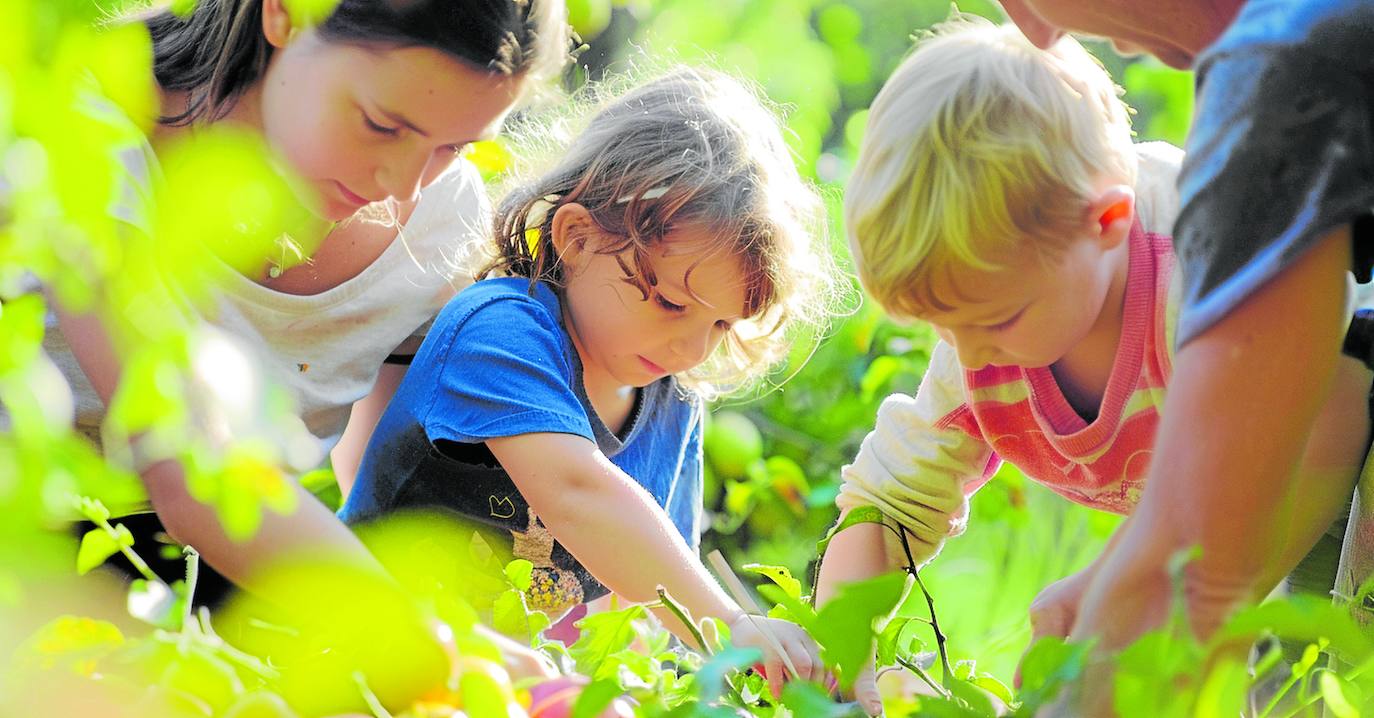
<point>1280,153</point>
<point>504,370</point>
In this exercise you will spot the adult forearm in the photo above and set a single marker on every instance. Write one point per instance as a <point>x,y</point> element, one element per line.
<point>310,529</point>
<point>1241,406</point>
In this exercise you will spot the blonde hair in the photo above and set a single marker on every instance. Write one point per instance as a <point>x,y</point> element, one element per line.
<point>978,143</point>
<point>691,148</point>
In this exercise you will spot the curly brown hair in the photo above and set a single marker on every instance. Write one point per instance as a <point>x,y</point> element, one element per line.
<point>691,148</point>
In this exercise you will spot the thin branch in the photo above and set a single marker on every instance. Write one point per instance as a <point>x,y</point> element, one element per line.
<point>921,673</point>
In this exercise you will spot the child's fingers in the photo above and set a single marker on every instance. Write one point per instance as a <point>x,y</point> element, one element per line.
<point>818,670</point>
<point>866,692</point>
<point>774,671</point>
<point>803,659</point>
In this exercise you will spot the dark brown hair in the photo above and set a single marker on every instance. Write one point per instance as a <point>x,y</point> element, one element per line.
<point>218,51</point>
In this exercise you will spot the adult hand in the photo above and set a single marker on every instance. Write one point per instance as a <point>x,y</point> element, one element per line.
<point>1055,608</point>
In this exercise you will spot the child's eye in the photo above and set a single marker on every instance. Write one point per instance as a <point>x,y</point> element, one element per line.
<point>1003,326</point>
<point>379,129</point>
<point>663,302</point>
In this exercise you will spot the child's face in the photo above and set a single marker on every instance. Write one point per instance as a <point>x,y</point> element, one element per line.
<point>635,341</point>
<point>1029,314</point>
<point>366,124</point>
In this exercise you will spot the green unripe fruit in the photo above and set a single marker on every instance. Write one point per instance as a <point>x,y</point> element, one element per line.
<point>732,443</point>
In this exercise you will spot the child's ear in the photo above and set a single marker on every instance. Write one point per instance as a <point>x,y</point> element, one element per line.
<point>1113,214</point>
<point>276,24</point>
<point>571,227</point>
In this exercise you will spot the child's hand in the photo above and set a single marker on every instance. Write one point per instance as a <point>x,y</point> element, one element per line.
<point>801,650</point>
<point>865,689</point>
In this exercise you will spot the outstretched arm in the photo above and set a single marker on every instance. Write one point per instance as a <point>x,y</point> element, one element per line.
<point>1241,406</point>
<point>614,528</point>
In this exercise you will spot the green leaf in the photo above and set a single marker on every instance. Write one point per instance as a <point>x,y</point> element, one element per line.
<point>21,331</point>
<point>69,641</point>
<point>1224,690</point>
<point>97,545</point>
<point>93,510</point>
<point>1337,693</point>
<point>844,627</point>
<point>898,638</point>
<point>1047,667</point>
<point>989,683</point>
<point>483,694</point>
<point>975,698</point>
<point>710,678</point>
<point>520,573</point>
<point>804,698</point>
<point>792,609</point>
<point>510,616</point>
<point>604,634</point>
<point>595,697</point>
<point>938,707</point>
<point>779,575</point>
<point>860,515</point>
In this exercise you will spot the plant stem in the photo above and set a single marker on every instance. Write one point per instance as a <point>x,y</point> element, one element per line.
<point>921,673</point>
<point>681,613</point>
<point>935,626</point>
<point>192,576</point>
<point>930,603</point>
<point>129,554</point>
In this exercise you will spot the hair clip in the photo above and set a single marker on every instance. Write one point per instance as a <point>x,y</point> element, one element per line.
<point>654,193</point>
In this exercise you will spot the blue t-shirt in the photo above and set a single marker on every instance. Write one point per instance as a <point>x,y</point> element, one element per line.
<point>1281,151</point>
<point>498,362</point>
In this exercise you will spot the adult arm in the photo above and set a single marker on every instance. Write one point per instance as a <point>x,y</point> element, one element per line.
<point>408,662</point>
<point>1242,403</point>
<point>347,455</point>
<point>310,527</point>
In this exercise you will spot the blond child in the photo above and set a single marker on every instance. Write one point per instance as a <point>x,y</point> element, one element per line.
<point>998,196</point>
<point>669,252</point>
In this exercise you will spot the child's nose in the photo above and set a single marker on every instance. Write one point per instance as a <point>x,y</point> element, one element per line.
<point>972,354</point>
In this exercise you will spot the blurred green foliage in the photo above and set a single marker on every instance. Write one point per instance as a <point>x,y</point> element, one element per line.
<point>773,460</point>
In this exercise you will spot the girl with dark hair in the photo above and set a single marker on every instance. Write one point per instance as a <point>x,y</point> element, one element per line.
<point>371,108</point>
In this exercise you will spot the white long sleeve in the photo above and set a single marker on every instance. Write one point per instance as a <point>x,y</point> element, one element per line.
<point>915,465</point>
